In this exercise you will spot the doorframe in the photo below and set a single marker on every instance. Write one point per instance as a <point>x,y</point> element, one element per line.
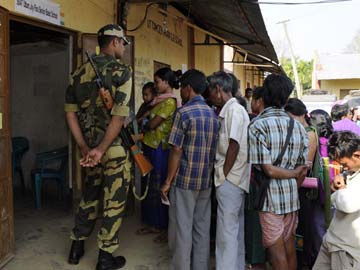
<point>57,28</point>
<point>73,60</point>
<point>6,134</point>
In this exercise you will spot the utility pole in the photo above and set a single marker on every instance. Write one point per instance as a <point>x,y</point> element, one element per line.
<point>293,60</point>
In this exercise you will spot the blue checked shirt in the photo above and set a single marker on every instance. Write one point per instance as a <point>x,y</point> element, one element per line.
<point>195,130</point>
<point>267,135</point>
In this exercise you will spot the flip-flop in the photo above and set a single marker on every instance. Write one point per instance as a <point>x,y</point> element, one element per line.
<point>147,230</point>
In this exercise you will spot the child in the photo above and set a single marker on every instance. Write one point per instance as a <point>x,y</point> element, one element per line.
<point>148,93</point>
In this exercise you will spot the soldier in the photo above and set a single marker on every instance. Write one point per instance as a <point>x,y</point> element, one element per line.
<point>95,129</point>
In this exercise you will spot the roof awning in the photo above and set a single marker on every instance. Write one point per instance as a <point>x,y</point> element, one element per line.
<point>239,24</point>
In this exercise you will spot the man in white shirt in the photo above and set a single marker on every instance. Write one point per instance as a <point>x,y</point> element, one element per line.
<point>232,174</point>
<point>341,244</point>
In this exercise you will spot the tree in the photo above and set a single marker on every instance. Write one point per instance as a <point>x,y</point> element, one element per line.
<point>354,45</point>
<point>304,69</point>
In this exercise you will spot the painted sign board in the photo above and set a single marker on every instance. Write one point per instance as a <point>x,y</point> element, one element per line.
<point>41,9</point>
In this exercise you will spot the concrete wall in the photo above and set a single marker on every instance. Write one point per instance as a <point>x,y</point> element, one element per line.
<point>207,58</point>
<point>81,15</point>
<point>38,83</point>
<point>239,72</point>
<point>151,45</point>
<point>334,86</point>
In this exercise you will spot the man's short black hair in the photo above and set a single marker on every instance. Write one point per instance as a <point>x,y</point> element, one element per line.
<point>338,111</point>
<point>195,79</point>
<point>343,144</point>
<point>278,88</point>
<point>296,107</point>
<point>104,41</point>
<point>258,93</point>
<point>221,79</point>
<point>247,90</point>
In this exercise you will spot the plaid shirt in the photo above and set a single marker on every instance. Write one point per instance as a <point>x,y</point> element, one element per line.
<point>195,130</point>
<point>267,135</point>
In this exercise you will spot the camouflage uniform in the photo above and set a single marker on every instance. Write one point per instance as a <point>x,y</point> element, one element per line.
<point>112,175</point>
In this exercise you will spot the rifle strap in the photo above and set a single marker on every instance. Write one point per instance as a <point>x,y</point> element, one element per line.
<point>136,133</point>
<point>139,197</point>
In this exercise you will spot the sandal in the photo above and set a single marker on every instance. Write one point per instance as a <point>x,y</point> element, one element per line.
<point>147,230</point>
<point>162,238</point>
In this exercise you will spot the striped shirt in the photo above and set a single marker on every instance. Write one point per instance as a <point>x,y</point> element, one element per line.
<point>195,130</point>
<point>267,135</point>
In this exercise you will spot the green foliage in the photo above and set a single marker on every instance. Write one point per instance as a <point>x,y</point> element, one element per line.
<point>304,69</point>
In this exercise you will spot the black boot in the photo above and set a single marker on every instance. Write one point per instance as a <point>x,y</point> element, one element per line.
<point>76,251</point>
<point>106,261</point>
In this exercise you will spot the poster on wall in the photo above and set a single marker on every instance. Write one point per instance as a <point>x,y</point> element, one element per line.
<point>41,9</point>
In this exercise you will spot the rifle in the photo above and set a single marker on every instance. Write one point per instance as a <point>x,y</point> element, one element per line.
<point>142,163</point>
<point>104,93</point>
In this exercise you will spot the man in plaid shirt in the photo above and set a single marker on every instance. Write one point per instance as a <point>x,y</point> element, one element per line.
<point>267,135</point>
<point>191,159</point>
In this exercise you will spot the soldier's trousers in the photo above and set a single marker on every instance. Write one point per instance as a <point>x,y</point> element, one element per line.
<point>112,178</point>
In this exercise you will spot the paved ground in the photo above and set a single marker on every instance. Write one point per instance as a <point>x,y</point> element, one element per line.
<point>42,241</point>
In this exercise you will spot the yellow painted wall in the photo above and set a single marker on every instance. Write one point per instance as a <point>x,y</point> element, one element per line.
<point>239,72</point>
<point>334,86</point>
<point>207,58</point>
<point>88,16</point>
<point>81,15</point>
<point>246,74</point>
<point>258,78</point>
<point>151,45</point>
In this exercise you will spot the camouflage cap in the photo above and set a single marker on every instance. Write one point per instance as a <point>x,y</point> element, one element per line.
<point>114,30</point>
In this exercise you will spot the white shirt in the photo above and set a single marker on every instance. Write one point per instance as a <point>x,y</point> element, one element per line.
<point>344,231</point>
<point>234,123</point>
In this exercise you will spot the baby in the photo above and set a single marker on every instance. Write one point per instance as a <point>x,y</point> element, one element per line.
<point>148,94</point>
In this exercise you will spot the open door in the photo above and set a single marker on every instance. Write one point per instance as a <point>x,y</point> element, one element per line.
<point>6,201</point>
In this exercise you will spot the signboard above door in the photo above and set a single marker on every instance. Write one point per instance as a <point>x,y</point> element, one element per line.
<point>41,9</point>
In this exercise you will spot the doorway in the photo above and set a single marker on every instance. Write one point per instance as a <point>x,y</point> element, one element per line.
<point>39,71</point>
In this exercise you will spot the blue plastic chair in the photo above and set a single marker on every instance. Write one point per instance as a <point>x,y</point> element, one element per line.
<point>50,165</point>
<point>20,145</point>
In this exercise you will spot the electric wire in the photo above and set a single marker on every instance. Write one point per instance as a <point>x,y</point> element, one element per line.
<point>143,20</point>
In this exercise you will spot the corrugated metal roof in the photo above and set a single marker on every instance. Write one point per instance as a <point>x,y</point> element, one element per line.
<point>236,22</point>
<point>338,66</point>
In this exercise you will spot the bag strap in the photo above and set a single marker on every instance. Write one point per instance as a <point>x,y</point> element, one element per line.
<point>288,135</point>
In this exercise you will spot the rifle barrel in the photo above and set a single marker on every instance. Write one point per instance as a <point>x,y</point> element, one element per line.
<point>98,78</point>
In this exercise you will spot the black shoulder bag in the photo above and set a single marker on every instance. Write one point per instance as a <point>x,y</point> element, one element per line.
<point>262,180</point>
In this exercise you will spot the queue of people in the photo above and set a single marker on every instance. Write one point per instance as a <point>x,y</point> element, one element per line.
<point>214,139</point>
<point>288,207</point>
